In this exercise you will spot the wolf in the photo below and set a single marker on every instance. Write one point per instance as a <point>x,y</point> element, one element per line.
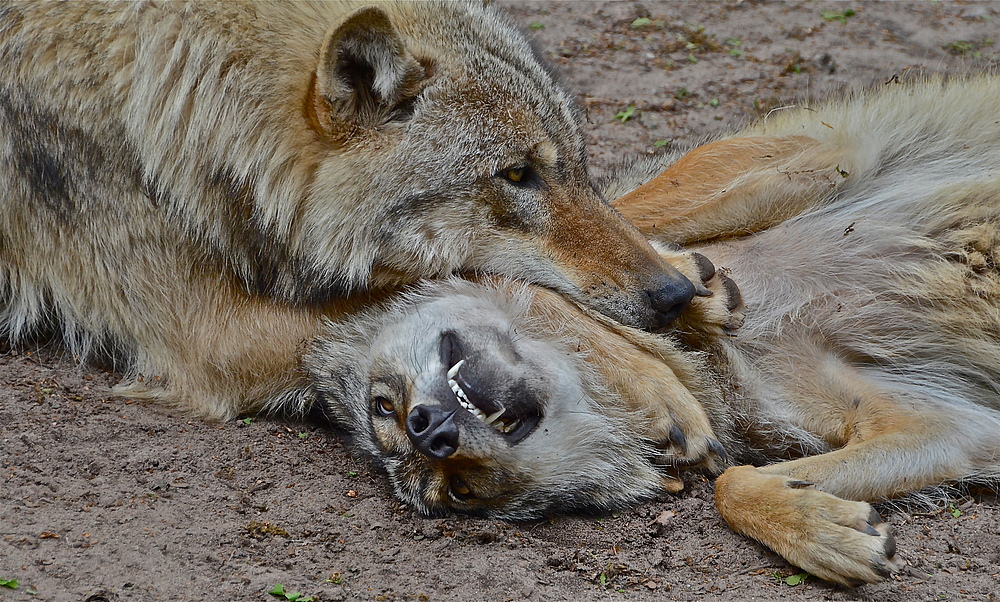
<point>191,188</point>
<point>864,234</point>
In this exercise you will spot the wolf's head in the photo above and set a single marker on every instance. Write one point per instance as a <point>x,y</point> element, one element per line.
<point>445,146</point>
<point>467,410</point>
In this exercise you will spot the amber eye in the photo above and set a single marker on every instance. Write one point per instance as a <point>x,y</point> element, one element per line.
<point>515,174</point>
<point>459,488</point>
<point>384,406</point>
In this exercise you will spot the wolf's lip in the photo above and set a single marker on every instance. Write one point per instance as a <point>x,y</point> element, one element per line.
<point>513,425</point>
<point>499,418</point>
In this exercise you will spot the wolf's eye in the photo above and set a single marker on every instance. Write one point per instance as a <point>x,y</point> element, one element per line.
<point>522,176</point>
<point>459,489</point>
<point>384,406</point>
<point>515,174</point>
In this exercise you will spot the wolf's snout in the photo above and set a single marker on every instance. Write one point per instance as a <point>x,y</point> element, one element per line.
<point>433,431</point>
<point>669,298</point>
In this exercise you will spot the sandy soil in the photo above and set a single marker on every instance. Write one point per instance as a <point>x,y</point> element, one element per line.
<point>106,499</point>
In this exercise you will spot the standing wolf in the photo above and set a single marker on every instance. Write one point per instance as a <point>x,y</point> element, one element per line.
<point>865,236</point>
<point>191,186</point>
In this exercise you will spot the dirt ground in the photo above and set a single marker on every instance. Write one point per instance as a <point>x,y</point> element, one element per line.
<point>103,498</point>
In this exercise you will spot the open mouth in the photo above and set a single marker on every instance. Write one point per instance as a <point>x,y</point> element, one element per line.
<point>496,419</point>
<point>513,423</point>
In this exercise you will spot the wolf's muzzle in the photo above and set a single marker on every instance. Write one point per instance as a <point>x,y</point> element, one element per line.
<point>668,298</point>
<point>433,431</point>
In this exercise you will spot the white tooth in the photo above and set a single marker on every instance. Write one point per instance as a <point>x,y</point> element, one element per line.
<point>454,369</point>
<point>454,386</point>
<point>492,417</point>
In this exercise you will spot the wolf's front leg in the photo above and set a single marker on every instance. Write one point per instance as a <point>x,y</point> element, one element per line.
<point>651,376</point>
<point>717,308</point>
<point>813,510</point>
<point>838,540</point>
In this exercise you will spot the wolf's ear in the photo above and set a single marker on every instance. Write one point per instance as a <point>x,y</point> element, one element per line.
<point>365,75</point>
<point>338,369</point>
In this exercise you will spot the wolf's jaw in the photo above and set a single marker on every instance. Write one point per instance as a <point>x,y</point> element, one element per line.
<point>493,420</point>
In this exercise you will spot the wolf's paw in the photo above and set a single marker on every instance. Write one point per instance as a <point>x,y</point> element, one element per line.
<point>718,305</point>
<point>832,538</point>
<point>688,445</point>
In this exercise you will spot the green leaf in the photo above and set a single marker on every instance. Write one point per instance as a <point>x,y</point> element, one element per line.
<point>625,115</point>
<point>661,143</point>
<point>537,25</point>
<point>838,15</point>
<point>247,420</point>
<point>641,22</point>
<point>11,583</point>
<point>277,590</point>
<point>798,579</point>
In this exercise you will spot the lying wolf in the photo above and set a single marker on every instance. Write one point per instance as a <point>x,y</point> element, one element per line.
<point>192,187</point>
<point>865,236</point>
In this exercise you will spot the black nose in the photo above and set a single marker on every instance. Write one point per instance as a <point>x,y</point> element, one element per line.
<point>432,431</point>
<point>669,298</point>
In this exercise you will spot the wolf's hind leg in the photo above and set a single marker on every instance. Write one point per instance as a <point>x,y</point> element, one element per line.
<point>735,187</point>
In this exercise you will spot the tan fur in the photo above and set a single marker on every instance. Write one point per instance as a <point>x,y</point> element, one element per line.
<point>191,187</point>
<point>735,187</point>
<point>865,238</point>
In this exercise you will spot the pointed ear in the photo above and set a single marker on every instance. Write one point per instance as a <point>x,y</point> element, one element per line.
<point>338,369</point>
<point>365,75</point>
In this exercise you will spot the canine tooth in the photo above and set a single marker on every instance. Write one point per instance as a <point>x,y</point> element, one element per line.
<point>454,369</point>
<point>512,426</point>
<point>492,417</point>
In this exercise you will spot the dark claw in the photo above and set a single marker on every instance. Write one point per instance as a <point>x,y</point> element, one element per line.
<point>677,438</point>
<point>874,518</point>
<point>706,269</point>
<point>796,484</point>
<point>890,545</point>
<point>715,447</point>
<point>881,567</point>
<point>870,530</point>
<point>733,291</point>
